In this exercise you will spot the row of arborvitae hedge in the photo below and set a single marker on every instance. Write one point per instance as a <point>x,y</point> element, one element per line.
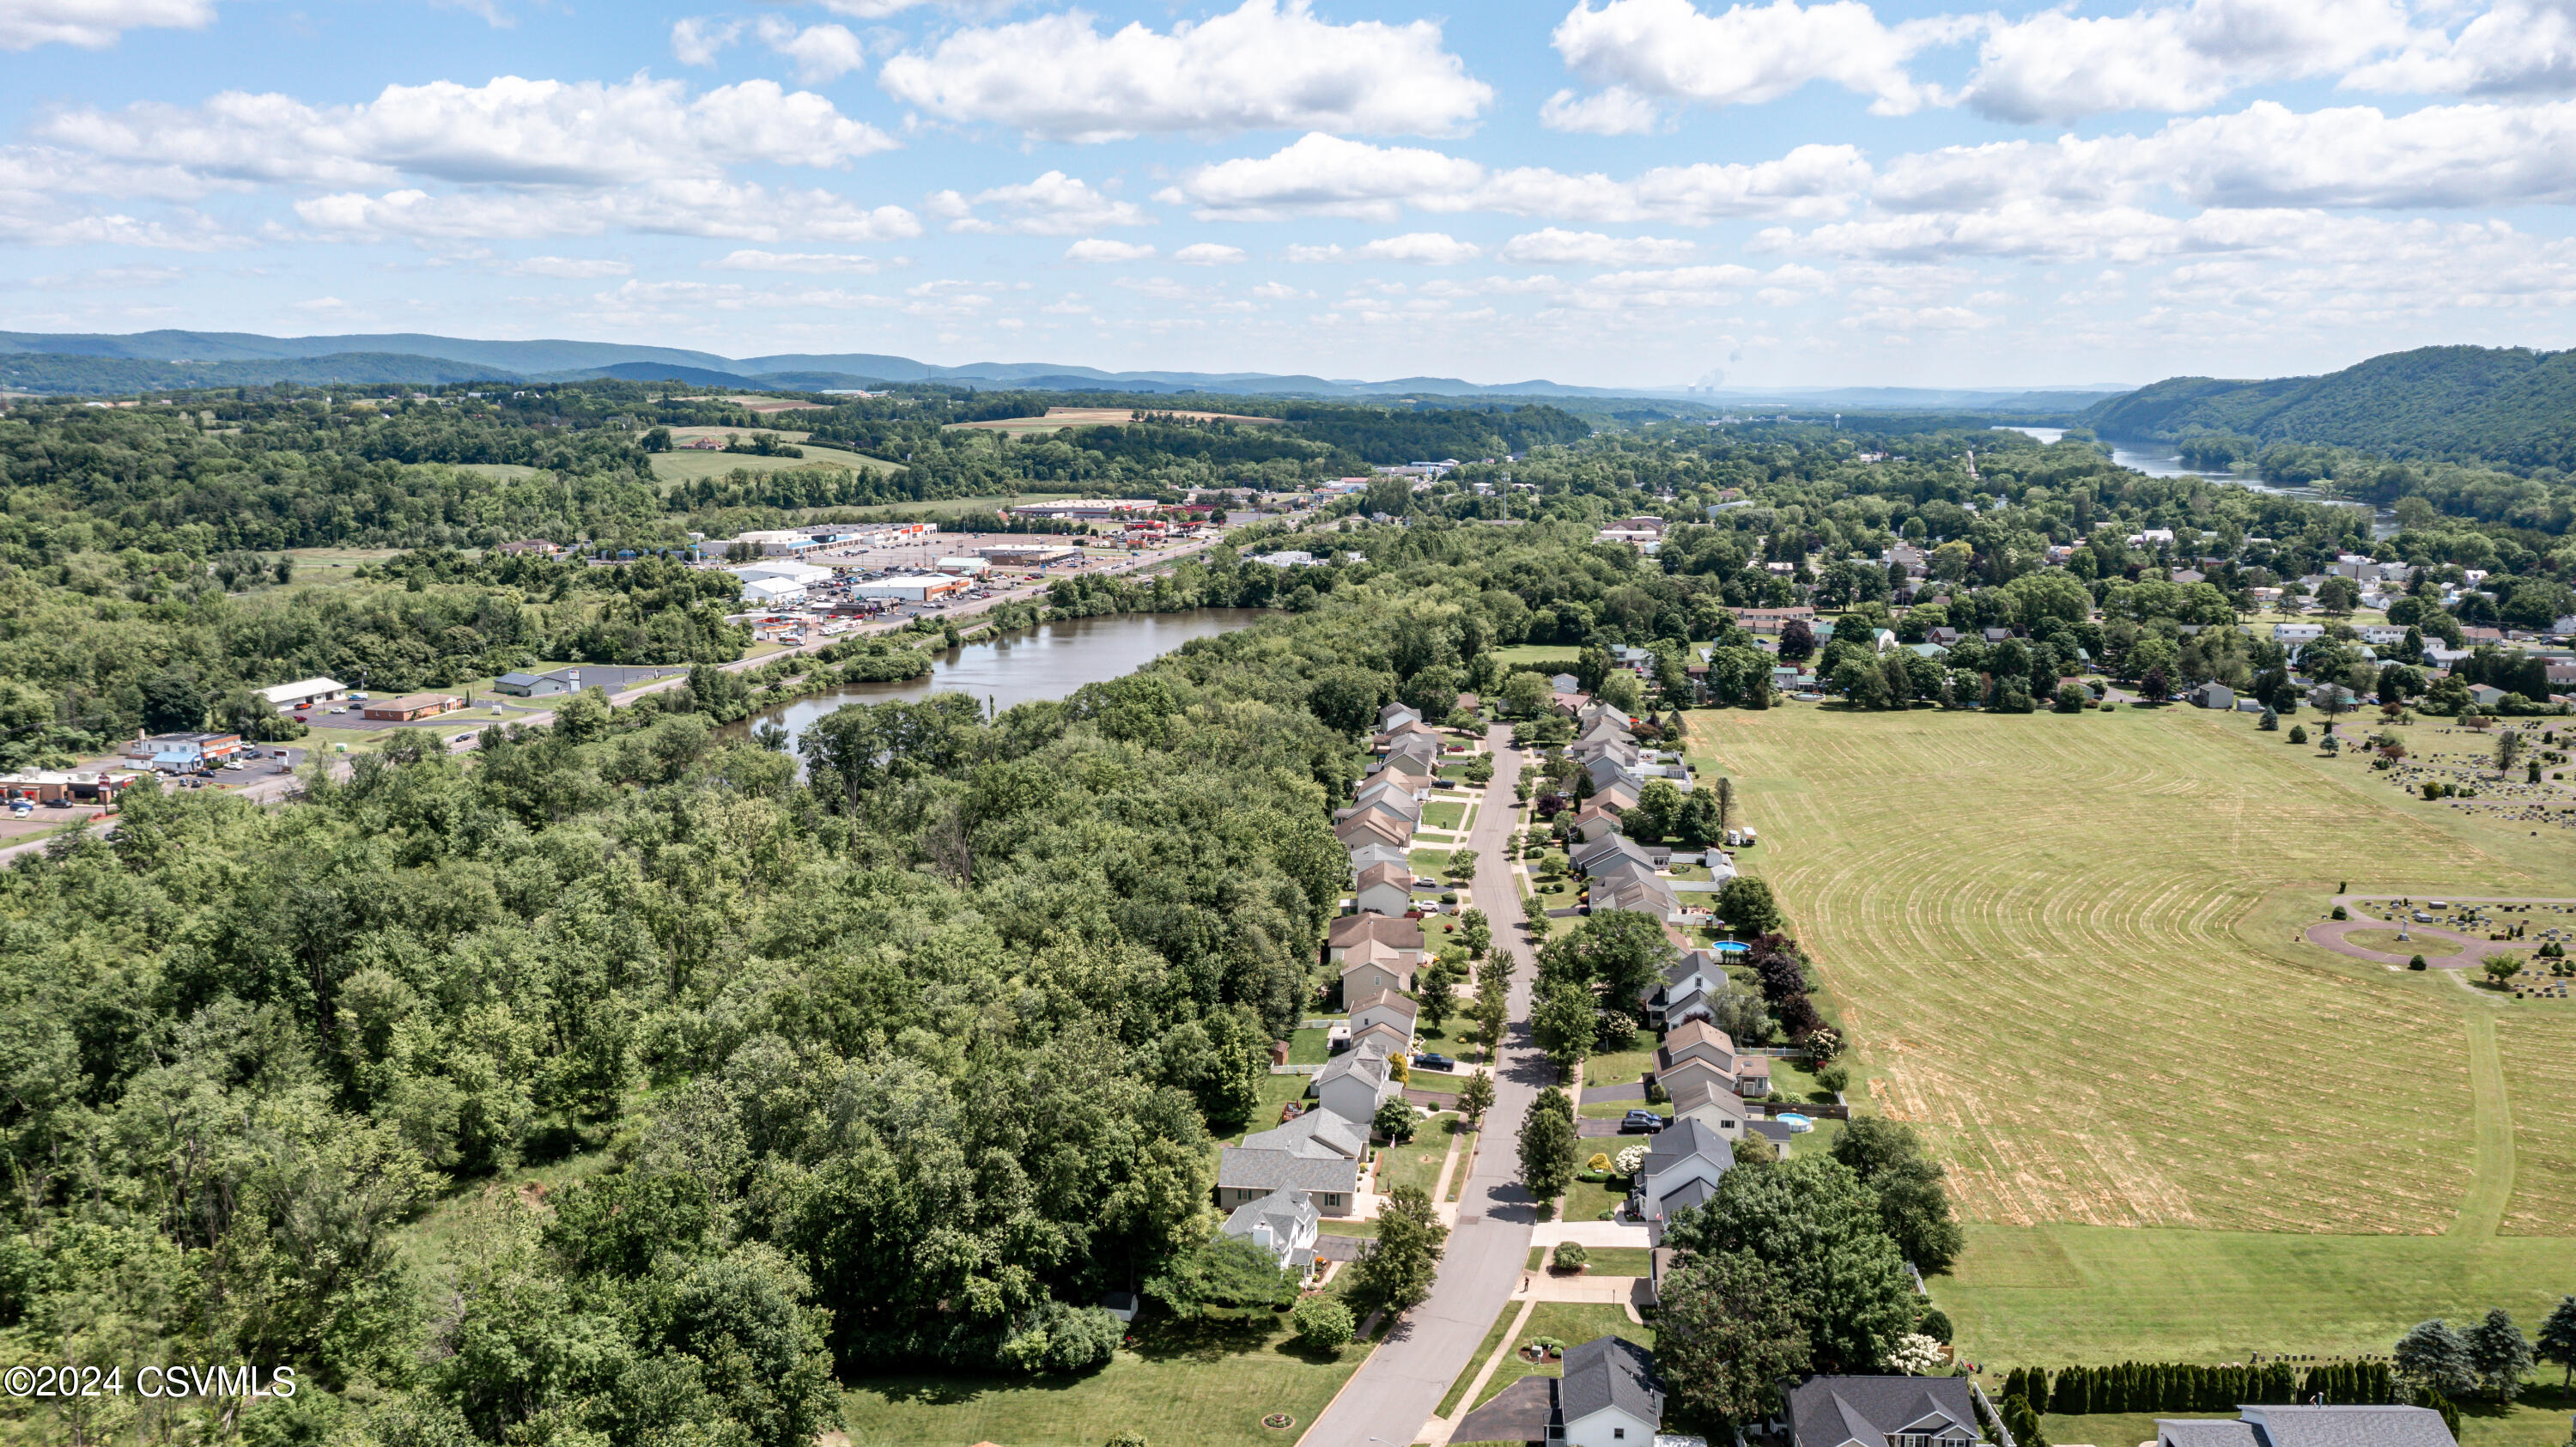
<point>2182,1387</point>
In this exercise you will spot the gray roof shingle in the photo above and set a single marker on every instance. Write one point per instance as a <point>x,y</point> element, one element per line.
<point>1835,1411</point>
<point>1607,1372</point>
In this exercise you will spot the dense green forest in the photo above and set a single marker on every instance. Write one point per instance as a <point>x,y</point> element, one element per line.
<point>2511,407</point>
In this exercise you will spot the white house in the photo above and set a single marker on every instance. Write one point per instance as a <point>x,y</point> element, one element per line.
<point>1352,1084</point>
<point>1607,1396</point>
<point>1283,1223</point>
<point>2299,632</point>
<point>1387,1008</point>
<point>1682,1168</point>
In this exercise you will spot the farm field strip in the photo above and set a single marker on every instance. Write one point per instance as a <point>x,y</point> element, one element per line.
<point>2027,922</point>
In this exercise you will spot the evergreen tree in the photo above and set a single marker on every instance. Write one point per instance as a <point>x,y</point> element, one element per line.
<point>2436,1359</point>
<point>2501,1355</point>
<point>2557,1343</point>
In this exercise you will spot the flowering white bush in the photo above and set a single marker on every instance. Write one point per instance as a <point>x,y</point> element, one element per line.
<point>1917,1355</point>
<point>1630,1159</point>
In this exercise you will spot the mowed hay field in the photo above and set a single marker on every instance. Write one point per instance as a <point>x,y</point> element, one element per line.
<point>2038,929</point>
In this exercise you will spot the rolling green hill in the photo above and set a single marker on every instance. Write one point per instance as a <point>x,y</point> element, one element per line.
<point>2506,405</point>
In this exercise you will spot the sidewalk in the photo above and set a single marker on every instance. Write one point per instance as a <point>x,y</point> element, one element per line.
<point>1588,1234</point>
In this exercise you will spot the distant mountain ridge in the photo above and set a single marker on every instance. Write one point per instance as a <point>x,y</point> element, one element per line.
<point>141,361</point>
<point>2508,405</point>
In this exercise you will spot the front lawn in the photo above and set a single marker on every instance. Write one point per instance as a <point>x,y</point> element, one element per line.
<point>1417,1161</point>
<point>1571,1322</point>
<point>1590,1200</point>
<point>1309,1047</point>
<point>1602,1260</point>
<point>1444,816</point>
<point>1625,1067</point>
<point>1208,1382</point>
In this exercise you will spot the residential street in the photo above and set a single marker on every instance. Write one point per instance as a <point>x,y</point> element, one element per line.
<point>1395,1392</point>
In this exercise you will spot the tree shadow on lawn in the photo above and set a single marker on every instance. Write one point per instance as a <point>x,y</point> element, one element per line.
<point>1221,1333</point>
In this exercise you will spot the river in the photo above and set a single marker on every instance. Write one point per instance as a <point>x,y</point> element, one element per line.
<point>1048,661</point>
<point>2159,461</point>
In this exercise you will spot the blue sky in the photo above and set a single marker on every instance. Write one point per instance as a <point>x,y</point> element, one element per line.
<point>1613,192</point>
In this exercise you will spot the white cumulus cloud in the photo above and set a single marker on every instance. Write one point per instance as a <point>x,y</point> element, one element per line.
<point>2057,67</point>
<point>1745,56</point>
<point>1554,246</point>
<point>1424,248</point>
<point>573,268</point>
<point>816,262</point>
<point>1617,111</point>
<point>1321,175</point>
<point>1267,65</point>
<point>94,24</point>
<point>508,131</point>
<point>2518,47</point>
<point>1208,253</point>
<point>688,207</point>
<point>1054,204</point>
<point>698,40</point>
<point>1095,248</point>
<point>821,52</point>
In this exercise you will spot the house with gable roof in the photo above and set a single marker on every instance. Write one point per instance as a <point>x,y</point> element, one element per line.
<point>1318,1153</point>
<point>1284,1223</point>
<point>1384,889</point>
<point>1881,1412</point>
<point>1607,1396</point>
<point>1683,1163</point>
<point>1400,937</point>
<point>2318,1426</point>
<point>1354,1083</point>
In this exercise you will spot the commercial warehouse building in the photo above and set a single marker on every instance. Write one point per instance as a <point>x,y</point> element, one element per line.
<point>183,753</point>
<point>920,588</point>
<point>1027,555</point>
<point>411,706</point>
<point>304,693</point>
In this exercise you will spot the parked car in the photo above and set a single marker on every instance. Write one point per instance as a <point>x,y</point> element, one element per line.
<point>1640,1122</point>
<point>1433,1060</point>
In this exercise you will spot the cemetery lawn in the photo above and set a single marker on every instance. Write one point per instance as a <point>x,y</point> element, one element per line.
<point>2066,946</point>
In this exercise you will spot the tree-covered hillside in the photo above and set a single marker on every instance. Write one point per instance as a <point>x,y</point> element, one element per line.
<point>2511,406</point>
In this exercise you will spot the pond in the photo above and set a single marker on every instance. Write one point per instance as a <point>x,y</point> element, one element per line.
<point>1048,661</point>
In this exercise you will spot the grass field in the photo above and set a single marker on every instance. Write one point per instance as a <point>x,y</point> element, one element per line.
<point>1212,1387</point>
<point>2067,947</point>
<point>1059,418</point>
<point>1444,817</point>
<point>691,466</point>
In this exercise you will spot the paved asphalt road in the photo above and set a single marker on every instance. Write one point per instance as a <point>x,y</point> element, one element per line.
<point>1396,1390</point>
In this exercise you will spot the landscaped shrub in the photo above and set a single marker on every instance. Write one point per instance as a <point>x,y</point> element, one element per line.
<point>1322,1322</point>
<point>1056,1337</point>
<point>1569,1256</point>
<point>1833,1078</point>
<point>1935,1324</point>
<point>2339,914</point>
<point>1600,1162</point>
<point>2415,962</point>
